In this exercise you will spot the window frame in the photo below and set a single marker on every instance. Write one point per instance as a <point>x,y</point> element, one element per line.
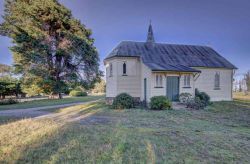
<point>158,81</point>
<point>187,81</point>
<point>110,70</point>
<point>217,81</point>
<point>124,71</point>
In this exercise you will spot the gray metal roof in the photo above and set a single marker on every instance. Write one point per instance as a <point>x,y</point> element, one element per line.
<point>160,56</point>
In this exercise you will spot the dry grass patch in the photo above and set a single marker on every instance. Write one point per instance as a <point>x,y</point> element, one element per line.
<point>241,96</point>
<point>219,133</point>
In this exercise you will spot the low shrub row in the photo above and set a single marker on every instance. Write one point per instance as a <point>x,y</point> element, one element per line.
<point>125,101</point>
<point>8,101</point>
<point>77,93</point>
<point>200,101</point>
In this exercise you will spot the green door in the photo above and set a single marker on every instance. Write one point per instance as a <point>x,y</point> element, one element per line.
<point>172,88</point>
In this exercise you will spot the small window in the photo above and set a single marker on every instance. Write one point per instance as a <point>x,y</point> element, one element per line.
<point>158,80</point>
<point>187,80</point>
<point>124,68</point>
<point>217,81</point>
<point>111,70</point>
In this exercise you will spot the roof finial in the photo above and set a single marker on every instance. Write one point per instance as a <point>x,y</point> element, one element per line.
<point>150,38</point>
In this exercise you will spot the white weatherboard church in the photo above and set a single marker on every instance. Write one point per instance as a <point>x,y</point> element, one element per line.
<point>147,69</point>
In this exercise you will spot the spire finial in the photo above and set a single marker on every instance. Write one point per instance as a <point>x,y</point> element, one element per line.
<point>150,38</point>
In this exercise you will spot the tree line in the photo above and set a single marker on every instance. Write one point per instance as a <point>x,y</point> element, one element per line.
<point>243,84</point>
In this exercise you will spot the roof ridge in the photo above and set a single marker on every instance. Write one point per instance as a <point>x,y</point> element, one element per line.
<point>165,43</point>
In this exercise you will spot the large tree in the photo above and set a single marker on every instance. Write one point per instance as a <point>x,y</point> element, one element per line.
<point>49,44</point>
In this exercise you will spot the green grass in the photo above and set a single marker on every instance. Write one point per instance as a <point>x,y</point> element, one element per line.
<point>219,134</point>
<point>50,102</point>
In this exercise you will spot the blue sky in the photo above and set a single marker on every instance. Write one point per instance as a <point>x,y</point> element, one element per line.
<point>221,24</point>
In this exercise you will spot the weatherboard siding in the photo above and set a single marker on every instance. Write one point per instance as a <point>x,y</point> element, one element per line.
<point>146,73</point>
<point>133,82</point>
<point>119,83</point>
<point>206,80</point>
<point>184,89</point>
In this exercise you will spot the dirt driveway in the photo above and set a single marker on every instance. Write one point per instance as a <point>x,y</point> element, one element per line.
<point>37,111</point>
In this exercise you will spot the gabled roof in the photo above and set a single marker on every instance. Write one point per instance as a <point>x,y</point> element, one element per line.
<point>170,57</point>
<point>160,55</point>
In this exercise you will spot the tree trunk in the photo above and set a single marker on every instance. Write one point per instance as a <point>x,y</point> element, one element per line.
<point>60,96</point>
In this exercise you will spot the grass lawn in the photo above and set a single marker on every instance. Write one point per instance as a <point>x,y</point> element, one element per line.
<point>219,134</point>
<point>49,102</point>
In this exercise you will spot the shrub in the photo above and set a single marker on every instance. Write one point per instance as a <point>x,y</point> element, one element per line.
<point>195,103</point>
<point>123,101</point>
<point>160,103</point>
<point>77,93</point>
<point>184,97</point>
<point>204,97</point>
<point>8,102</point>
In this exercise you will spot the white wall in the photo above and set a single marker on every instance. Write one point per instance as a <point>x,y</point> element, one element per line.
<point>133,83</point>
<point>205,83</point>
<point>183,89</point>
<point>145,73</point>
<point>119,83</point>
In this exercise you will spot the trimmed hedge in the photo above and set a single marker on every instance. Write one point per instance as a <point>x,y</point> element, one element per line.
<point>123,101</point>
<point>77,93</point>
<point>160,103</point>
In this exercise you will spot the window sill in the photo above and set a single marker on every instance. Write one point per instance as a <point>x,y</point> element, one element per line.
<point>216,88</point>
<point>124,75</point>
<point>187,87</point>
<point>158,87</point>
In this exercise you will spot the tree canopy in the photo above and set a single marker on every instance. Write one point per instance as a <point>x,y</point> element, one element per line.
<point>50,47</point>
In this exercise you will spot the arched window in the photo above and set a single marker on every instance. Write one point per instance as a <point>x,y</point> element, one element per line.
<point>124,68</point>
<point>111,70</point>
<point>217,81</point>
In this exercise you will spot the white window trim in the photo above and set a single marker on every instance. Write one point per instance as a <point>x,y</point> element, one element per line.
<point>158,81</point>
<point>217,81</point>
<point>126,70</point>
<point>110,70</point>
<point>187,81</point>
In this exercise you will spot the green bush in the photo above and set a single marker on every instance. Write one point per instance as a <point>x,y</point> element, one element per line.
<point>77,93</point>
<point>8,102</point>
<point>160,103</point>
<point>123,101</point>
<point>184,97</point>
<point>195,103</point>
<point>204,97</point>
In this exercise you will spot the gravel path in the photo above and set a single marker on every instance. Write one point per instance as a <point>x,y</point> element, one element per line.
<point>37,111</point>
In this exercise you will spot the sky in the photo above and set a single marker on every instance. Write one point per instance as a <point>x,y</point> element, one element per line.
<point>221,24</point>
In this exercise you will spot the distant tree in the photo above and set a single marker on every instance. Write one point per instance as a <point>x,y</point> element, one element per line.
<point>100,87</point>
<point>240,86</point>
<point>247,79</point>
<point>50,45</point>
<point>9,86</point>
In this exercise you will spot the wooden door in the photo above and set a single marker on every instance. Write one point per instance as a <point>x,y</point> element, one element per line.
<point>172,88</point>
